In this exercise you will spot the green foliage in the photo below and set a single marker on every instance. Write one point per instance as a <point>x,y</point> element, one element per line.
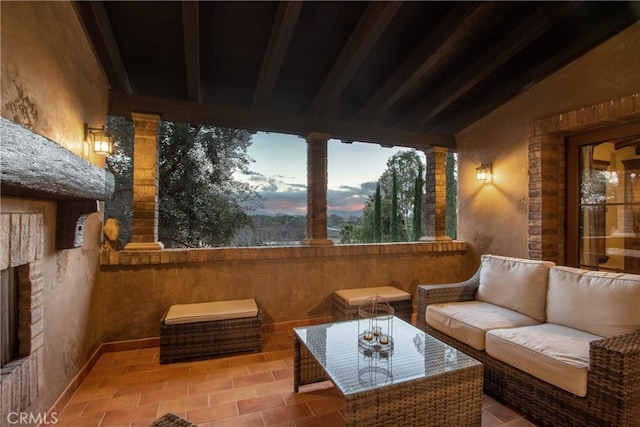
<point>377,215</point>
<point>394,225</point>
<point>200,204</point>
<point>405,166</point>
<point>451,214</point>
<point>417,229</point>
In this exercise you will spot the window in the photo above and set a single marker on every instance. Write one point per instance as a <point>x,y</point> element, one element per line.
<point>603,187</point>
<point>9,294</point>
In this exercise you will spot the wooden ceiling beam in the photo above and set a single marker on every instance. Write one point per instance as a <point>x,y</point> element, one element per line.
<point>440,45</point>
<point>532,28</point>
<point>281,32</point>
<point>503,93</point>
<point>95,22</point>
<point>191,30</point>
<point>121,104</point>
<point>370,27</point>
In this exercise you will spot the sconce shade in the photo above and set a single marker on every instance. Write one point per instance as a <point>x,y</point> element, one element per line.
<point>99,139</point>
<point>483,172</point>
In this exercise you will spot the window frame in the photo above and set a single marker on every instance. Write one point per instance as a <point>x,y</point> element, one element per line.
<point>573,144</point>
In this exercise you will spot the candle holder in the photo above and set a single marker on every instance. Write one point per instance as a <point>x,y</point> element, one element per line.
<point>375,326</point>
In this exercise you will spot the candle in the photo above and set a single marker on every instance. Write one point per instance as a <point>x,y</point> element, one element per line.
<point>377,330</point>
<point>368,336</point>
<point>384,340</point>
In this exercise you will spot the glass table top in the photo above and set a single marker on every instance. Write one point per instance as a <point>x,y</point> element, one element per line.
<point>355,364</point>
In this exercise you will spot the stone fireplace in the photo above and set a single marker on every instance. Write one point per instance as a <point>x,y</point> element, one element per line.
<point>37,169</point>
<point>21,246</point>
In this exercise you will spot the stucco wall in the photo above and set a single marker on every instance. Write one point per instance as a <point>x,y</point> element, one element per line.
<point>492,217</point>
<point>290,284</point>
<point>45,39</point>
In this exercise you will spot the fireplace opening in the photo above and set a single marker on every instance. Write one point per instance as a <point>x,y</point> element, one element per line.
<point>9,316</point>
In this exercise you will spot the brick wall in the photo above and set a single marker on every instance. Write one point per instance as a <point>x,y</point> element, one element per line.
<point>547,186</point>
<point>21,246</point>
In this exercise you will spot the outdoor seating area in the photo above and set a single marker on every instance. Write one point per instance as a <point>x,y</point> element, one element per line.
<point>198,330</point>
<point>522,119</point>
<point>346,302</point>
<point>131,386</point>
<point>561,344</point>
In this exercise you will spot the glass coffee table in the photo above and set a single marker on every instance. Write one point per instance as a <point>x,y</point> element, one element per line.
<point>418,381</point>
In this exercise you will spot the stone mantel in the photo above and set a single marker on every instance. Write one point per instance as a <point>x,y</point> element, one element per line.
<point>36,167</point>
<point>32,165</point>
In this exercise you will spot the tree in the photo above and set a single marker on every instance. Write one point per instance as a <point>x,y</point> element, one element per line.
<point>377,216</point>
<point>405,164</point>
<point>395,226</point>
<point>451,215</point>
<point>200,204</point>
<point>417,205</point>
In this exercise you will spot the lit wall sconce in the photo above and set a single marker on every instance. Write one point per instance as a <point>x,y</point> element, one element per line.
<point>483,172</point>
<point>99,139</point>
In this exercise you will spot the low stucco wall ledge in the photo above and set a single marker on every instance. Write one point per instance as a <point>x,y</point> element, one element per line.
<point>184,256</point>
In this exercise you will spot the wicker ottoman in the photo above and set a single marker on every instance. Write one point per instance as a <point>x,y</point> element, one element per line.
<point>347,301</point>
<point>202,330</point>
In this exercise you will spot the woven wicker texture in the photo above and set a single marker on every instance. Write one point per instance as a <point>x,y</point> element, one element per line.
<point>343,311</point>
<point>613,388</point>
<point>421,382</point>
<point>172,420</point>
<point>206,339</point>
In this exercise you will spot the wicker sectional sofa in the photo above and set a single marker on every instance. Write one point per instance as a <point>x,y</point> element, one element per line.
<point>559,344</point>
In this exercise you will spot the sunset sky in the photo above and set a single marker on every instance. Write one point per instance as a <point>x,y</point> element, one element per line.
<point>280,173</point>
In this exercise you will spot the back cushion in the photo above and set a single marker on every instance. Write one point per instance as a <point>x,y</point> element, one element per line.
<point>515,283</point>
<point>601,303</point>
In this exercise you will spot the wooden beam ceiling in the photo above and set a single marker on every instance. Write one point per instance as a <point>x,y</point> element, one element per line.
<point>121,104</point>
<point>429,107</point>
<point>191,25</point>
<point>394,73</point>
<point>370,27</point>
<point>96,23</point>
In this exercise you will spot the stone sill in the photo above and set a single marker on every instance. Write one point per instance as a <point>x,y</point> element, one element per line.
<point>183,256</point>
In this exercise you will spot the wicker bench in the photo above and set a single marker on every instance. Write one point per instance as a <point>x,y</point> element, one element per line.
<point>347,301</point>
<point>201,330</point>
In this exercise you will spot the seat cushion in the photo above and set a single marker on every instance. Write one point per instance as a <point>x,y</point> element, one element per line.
<point>515,283</point>
<point>469,321</point>
<point>358,295</point>
<point>553,353</point>
<point>209,311</point>
<point>598,302</point>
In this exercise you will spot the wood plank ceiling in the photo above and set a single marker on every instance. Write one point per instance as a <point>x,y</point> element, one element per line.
<point>395,73</point>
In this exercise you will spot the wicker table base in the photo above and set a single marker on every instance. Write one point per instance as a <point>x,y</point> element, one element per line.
<point>424,383</point>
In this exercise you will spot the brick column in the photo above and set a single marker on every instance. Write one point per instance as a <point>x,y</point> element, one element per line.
<point>436,195</point>
<point>546,209</point>
<point>317,189</point>
<point>145,183</point>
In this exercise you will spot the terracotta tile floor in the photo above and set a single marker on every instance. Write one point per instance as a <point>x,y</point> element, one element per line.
<point>130,388</point>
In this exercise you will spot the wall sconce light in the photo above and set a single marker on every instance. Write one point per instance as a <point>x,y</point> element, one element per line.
<point>99,139</point>
<point>483,172</point>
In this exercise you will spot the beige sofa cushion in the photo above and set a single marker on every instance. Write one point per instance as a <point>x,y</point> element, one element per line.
<point>469,321</point>
<point>209,311</point>
<point>601,303</point>
<point>514,283</point>
<point>553,353</point>
<point>358,295</point>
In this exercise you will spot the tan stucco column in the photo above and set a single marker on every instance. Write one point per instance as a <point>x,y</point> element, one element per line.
<point>436,195</point>
<point>145,183</point>
<point>317,189</point>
